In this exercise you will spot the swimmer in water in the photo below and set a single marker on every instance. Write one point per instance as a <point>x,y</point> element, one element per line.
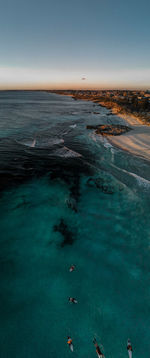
<point>129,348</point>
<point>98,351</point>
<point>69,342</point>
<point>72,268</point>
<point>72,300</point>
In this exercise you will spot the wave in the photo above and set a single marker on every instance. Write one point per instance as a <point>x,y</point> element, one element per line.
<point>27,143</point>
<point>98,138</point>
<point>51,142</point>
<point>65,152</point>
<point>107,144</point>
<point>95,137</point>
<point>33,143</point>
<point>41,143</point>
<point>145,183</point>
<point>73,126</point>
<point>141,181</point>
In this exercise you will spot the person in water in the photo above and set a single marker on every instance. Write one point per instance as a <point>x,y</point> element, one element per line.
<point>72,300</point>
<point>69,342</point>
<point>129,347</point>
<point>98,351</point>
<point>72,268</point>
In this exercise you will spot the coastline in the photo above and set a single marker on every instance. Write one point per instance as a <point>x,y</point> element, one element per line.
<point>122,113</point>
<point>136,141</point>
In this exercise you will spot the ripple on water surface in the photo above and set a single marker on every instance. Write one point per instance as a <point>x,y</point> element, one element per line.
<point>90,211</point>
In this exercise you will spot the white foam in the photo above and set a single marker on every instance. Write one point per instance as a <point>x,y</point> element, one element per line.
<point>73,126</point>
<point>67,153</point>
<point>28,143</point>
<point>56,141</point>
<point>107,145</point>
<point>33,143</point>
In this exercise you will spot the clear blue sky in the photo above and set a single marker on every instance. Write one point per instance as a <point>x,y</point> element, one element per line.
<point>53,43</point>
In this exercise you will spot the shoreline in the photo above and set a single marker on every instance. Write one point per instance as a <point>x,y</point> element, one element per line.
<point>137,141</point>
<point>122,113</point>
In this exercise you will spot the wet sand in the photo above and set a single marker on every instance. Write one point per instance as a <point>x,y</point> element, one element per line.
<point>136,141</point>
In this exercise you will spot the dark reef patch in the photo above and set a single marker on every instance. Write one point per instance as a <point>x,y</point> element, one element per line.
<point>75,188</point>
<point>100,184</point>
<point>68,236</point>
<point>72,204</point>
<point>71,176</point>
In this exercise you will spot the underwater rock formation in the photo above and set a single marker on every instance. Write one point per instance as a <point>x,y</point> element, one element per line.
<point>100,184</point>
<point>68,236</point>
<point>72,204</point>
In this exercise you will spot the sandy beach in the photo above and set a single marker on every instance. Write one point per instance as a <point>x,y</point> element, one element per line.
<point>136,141</point>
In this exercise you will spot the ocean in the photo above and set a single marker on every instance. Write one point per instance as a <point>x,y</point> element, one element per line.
<point>69,197</point>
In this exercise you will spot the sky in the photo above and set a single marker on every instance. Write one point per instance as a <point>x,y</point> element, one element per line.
<point>52,44</point>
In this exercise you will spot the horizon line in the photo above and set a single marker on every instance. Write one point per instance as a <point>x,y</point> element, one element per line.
<point>77,89</point>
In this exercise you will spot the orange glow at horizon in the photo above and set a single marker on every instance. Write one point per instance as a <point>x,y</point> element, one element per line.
<point>44,79</point>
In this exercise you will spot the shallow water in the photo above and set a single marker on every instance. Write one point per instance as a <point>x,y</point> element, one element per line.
<point>69,197</point>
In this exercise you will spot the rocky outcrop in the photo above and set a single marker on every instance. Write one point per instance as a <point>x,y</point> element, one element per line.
<point>110,129</point>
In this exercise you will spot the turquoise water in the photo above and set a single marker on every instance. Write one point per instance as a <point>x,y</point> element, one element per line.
<point>69,197</point>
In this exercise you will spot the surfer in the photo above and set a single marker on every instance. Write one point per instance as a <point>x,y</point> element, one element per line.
<point>72,268</point>
<point>69,342</point>
<point>98,351</point>
<point>129,348</point>
<point>72,300</point>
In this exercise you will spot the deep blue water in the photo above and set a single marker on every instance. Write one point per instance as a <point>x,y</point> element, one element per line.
<point>69,197</point>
